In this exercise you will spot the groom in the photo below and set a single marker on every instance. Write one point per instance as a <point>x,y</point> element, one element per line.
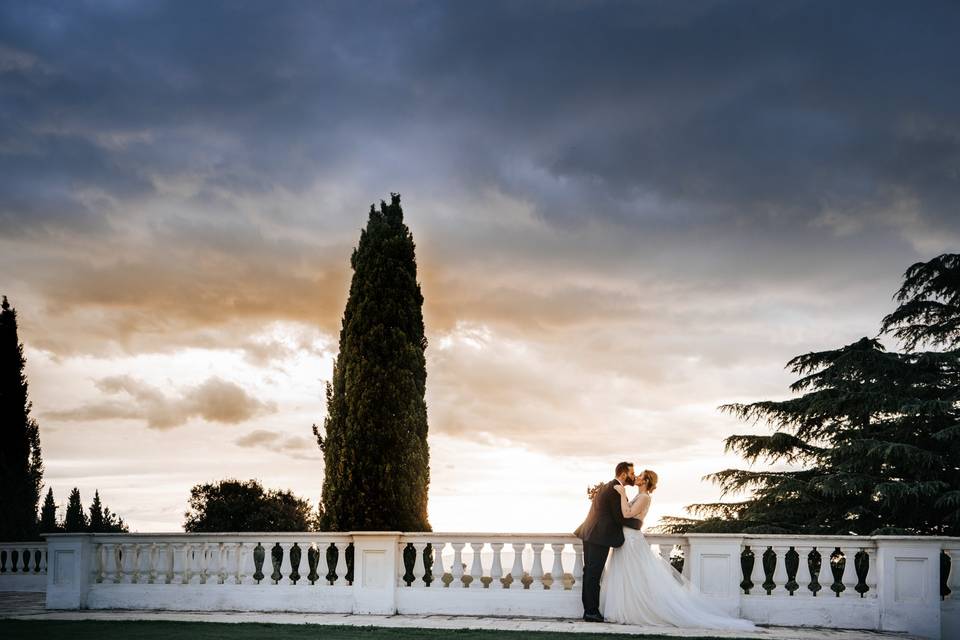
<point>603,529</point>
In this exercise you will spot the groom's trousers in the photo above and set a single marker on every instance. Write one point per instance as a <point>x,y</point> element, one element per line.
<point>594,559</point>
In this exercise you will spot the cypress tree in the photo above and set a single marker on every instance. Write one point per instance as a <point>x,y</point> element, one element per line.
<point>75,520</point>
<point>21,465</point>
<point>96,515</point>
<point>375,442</point>
<point>48,515</point>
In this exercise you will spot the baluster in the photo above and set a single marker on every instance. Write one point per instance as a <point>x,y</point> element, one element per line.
<point>537,571</point>
<point>768,561</point>
<point>194,564</point>
<point>496,567</point>
<point>343,570</point>
<point>815,571</point>
<point>99,555</point>
<point>791,561</point>
<point>178,555</point>
<point>952,577</point>
<point>297,563</point>
<point>685,550</point>
<point>476,568</point>
<point>202,557</point>
<point>862,567</point>
<point>43,565</point>
<point>556,571</point>
<point>191,564</point>
<point>245,564</point>
<point>838,562</point>
<point>165,563</point>
<point>153,556</point>
<point>197,563</point>
<point>872,573</point>
<point>747,561</point>
<point>758,577</point>
<point>517,571</point>
<point>211,563</point>
<point>276,563</point>
<point>457,569</point>
<point>407,555</point>
<point>219,562</point>
<point>419,571</point>
<point>438,571</point>
<point>577,563</point>
<point>850,572</point>
<point>313,565</point>
<point>228,565</point>
<point>333,566</point>
<point>780,571</point>
<point>128,553</point>
<point>141,574</point>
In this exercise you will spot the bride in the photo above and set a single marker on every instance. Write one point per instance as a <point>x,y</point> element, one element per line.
<point>639,587</point>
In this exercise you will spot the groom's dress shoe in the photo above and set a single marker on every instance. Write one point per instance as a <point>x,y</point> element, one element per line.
<point>593,617</point>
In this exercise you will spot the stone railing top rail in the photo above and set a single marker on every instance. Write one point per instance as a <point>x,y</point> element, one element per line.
<point>460,535</point>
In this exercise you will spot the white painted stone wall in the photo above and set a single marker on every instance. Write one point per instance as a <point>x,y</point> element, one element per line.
<point>898,587</point>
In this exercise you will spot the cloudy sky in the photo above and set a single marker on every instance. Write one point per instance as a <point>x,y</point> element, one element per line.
<point>626,214</point>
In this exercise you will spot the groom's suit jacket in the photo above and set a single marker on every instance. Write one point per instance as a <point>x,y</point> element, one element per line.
<point>605,521</point>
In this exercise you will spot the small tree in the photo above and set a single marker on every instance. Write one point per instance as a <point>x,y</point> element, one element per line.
<point>96,514</point>
<point>48,515</point>
<point>75,520</point>
<point>232,505</point>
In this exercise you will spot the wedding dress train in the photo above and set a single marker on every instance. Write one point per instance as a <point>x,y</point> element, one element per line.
<point>639,587</point>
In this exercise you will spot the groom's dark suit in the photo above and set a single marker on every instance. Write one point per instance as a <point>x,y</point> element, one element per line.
<point>602,529</point>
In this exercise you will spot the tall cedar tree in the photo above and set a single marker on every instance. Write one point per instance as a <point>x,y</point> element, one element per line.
<point>375,442</point>
<point>929,315</point>
<point>21,465</point>
<point>75,520</point>
<point>873,442</point>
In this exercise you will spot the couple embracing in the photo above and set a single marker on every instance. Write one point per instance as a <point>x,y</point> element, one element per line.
<point>631,584</point>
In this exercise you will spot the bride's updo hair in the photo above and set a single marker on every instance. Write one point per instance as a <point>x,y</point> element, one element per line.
<point>650,478</point>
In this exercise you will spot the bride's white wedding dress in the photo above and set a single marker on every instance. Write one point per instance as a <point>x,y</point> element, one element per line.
<point>639,587</point>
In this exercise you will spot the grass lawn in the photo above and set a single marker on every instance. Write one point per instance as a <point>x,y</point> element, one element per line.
<point>164,629</point>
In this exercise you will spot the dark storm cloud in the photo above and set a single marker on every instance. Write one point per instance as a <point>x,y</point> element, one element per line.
<point>643,114</point>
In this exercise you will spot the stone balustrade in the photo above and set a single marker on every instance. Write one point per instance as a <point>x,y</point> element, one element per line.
<point>23,566</point>
<point>889,583</point>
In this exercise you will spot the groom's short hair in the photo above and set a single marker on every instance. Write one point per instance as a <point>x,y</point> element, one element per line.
<point>623,467</point>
